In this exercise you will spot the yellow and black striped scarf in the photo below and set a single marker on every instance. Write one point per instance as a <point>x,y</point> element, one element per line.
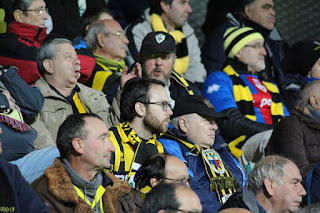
<point>111,71</point>
<point>131,151</point>
<point>244,101</point>
<point>182,61</point>
<point>220,178</point>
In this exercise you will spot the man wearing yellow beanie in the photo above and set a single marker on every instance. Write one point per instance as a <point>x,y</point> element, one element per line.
<point>252,105</point>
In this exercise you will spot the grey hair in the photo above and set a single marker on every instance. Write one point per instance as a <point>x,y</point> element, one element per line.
<point>48,50</point>
<point>175,122</point>
<point>91,36</point>
<point>312,87</point>
<point>272,167</point>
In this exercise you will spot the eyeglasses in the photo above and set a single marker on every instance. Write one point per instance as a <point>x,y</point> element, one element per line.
<point>256,46</point>
<point>120,34</point>
<point>183,181</point>
<point>165,105</point>
<point>40,11</point>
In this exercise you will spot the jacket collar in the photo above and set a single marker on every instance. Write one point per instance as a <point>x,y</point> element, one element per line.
<point>32,33</point>
<point>60,185</point>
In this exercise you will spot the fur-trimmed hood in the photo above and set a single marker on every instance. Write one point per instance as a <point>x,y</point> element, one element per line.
<point>61,190</point>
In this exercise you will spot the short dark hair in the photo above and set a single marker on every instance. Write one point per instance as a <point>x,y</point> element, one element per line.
<point>73,127</point>
<point>48,50</point>
<point>91,15</point>
<point>11,5</point>
<point>155,6</point>
<point>162,197</point>
<point>154,167</point>
<point>240,9</point>
<point>135,90</point>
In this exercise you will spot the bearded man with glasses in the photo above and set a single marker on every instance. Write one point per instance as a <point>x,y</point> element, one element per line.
<point>145,114</point>
<point>25,33</point>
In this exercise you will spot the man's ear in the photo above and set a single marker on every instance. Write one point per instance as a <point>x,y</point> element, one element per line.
<point>247,11</point>
<point>314,102</point>
<point>154,182</point>
<point>17,14</point>
<point>100,38</point>
<point>182,122</point>
<point>48,65</point>
<point>237,55</point>
<point>164,6</point>
<point>140,109</point>
<point>77,144</point>
<point>269,185</point>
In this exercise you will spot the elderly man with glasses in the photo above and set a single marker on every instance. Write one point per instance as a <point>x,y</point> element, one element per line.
<point>252,104</point>
<point>25,33</point>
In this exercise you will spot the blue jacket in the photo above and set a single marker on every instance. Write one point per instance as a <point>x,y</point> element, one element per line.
<point>200,183</point>
<point>16,195</point>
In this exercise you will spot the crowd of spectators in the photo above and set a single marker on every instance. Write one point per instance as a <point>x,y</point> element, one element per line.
<point>112,106</point>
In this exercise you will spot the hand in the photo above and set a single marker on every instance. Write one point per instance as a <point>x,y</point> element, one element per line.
<point>125,76</point>
<point>10,100</point>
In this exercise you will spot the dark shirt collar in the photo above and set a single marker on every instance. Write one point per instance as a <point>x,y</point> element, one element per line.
<point>264,32</point>
<point>75,89</point>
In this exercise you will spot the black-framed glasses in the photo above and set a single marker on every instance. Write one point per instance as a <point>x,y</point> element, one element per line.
<point>183,181</point>
<point>256,46</point>
<point>39,11</point>
<point>165,105</point>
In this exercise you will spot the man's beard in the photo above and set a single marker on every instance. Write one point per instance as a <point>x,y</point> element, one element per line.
<point>166,76</point>
<point>153,125</point>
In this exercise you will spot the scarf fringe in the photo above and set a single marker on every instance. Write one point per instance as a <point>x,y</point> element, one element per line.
<point>15,124</point>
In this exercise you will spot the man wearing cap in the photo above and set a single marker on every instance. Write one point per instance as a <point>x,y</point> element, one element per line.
<point>157,58</point>
<point>258,14</point>
<point>170,16</point>
<point>191,135</point>
<point>252,105</point>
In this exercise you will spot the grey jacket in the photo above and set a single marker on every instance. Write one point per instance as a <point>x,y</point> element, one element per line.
<point>138,30</point>
<point>56,109</point>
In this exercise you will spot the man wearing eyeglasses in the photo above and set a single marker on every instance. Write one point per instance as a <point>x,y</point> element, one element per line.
<point>25,32</point>
<point>252,105</point>
<point>145,113</point>
<point>108,43</point>
<point>191,136</point>
<point>160,168</point>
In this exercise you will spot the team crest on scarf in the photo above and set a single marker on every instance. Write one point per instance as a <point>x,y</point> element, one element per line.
<point>160,38</point>
<point>214,161</point>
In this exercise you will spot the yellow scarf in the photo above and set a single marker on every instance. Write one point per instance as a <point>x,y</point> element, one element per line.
<point>182,60</point>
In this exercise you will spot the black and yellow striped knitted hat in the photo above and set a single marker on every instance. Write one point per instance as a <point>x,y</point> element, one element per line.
<point>236,38</point>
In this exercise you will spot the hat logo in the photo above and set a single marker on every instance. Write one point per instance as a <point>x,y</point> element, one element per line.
<point>160,38</point>
<point>207,102</point>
